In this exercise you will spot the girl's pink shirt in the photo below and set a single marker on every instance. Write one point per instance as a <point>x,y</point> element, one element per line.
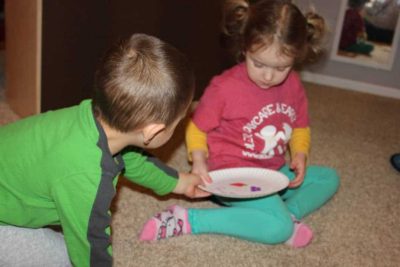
<point>248,126</point>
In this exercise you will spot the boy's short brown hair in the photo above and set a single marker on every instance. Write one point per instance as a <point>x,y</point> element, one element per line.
<point>142,80</point>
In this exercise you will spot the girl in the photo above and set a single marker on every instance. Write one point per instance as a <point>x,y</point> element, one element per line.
<point>258,98</point>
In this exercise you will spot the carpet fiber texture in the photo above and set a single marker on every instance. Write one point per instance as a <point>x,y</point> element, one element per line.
<point>352,132</point>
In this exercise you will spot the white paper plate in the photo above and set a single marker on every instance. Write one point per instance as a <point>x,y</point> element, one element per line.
<point>245,182</point>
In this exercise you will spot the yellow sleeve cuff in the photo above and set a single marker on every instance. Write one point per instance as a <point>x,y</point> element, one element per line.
<point>195,139</point>
<point>300,141</point>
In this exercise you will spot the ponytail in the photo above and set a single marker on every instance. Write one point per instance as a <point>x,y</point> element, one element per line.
<point>316,28</point>
<point>234,17</point>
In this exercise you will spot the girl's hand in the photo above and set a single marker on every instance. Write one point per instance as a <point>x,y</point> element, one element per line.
<point>188,186</point>
<point>199,166</point>
<point>298,165</point>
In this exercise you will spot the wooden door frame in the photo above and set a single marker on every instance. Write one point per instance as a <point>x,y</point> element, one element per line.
<point>23,55</point>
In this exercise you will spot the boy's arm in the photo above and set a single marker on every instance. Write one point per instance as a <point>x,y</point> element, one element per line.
<point>149,172</point>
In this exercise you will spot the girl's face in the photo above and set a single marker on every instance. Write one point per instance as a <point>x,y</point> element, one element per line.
<point>267,66</point>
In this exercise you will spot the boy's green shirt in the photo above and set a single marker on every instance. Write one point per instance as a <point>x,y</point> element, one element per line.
<point>56,169</point>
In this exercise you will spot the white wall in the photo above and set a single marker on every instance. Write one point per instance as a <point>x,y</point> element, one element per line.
<point>347,75</point>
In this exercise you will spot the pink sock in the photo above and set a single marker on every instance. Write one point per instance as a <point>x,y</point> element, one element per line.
<point>171,222</point>
<point>302,235</point>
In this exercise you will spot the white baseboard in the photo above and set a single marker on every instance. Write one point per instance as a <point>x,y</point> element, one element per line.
<point>351,85</point>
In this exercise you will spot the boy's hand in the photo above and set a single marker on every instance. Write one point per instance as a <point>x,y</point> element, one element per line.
<point>199,165</point>
<point>298,165</point>
<point>188,186</point>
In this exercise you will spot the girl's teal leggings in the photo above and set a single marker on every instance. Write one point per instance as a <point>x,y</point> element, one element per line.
<point>268,219</point>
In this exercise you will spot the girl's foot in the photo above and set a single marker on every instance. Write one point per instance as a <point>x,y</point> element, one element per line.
<point>302,235</point>
<point>171,222</point>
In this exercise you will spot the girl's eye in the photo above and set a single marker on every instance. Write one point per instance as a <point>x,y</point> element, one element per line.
<point>281,69</point>
<point>257,65</point>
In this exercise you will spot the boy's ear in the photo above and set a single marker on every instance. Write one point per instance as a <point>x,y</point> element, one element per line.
<point>151,130</point>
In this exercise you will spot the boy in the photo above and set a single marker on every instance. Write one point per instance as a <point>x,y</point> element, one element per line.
<point>61,167</point>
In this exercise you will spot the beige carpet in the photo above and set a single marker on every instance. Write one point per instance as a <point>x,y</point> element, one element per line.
<point>354,133</point>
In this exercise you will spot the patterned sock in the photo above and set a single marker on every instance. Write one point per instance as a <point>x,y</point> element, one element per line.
<point>302,235</point>
<point>171,222</point>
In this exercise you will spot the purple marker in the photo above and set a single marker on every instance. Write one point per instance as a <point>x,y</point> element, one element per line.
<point>255,188</point>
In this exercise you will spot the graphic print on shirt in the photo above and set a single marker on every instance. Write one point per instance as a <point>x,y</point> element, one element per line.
<point>268,127</point>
